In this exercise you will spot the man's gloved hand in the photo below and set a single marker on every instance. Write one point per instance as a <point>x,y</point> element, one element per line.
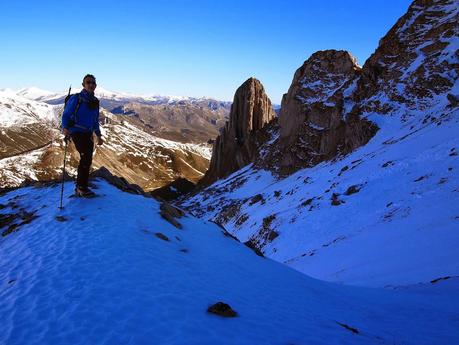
<point>67,137</point>
<point>100,141</point>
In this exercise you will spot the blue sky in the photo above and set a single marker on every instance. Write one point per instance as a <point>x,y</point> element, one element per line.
<point>190,48</point>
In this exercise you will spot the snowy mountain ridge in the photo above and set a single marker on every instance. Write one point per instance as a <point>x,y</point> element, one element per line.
<point>38,94</point>
<point>17,109</point>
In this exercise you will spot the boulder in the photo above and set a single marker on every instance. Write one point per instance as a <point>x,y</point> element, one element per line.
<point>221,309</point>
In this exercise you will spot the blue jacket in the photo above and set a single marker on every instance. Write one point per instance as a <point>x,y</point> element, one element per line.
<point>86,119</point>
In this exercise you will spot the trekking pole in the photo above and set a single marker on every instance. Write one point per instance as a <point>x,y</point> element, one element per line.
<point>66,139</point>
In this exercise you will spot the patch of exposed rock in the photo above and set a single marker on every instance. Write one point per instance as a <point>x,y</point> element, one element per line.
<point>171,213</point>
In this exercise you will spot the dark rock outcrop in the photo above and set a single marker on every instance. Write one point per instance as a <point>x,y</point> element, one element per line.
<point>118,182</point>
<point>14,221</point>
<point>173,190</point>
<point>236,146</point>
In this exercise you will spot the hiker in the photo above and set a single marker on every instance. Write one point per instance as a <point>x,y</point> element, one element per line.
<point>79,121</point>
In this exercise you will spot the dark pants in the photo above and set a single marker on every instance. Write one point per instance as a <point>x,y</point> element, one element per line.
<point>85,146</point>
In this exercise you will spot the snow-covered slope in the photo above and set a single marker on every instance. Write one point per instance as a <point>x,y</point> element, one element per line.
<point>98,273</point>
<point>386,214</point>
<point>25,125</point>
<point>132,135</point>
<point>24,166</point>
<point>15,110</point>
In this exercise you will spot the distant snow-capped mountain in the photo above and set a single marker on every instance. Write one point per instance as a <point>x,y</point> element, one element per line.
<point>116,95</point>
<point>16,109</point>
<point>37,94</point>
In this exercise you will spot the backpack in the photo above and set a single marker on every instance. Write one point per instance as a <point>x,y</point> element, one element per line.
<point>73,117</point>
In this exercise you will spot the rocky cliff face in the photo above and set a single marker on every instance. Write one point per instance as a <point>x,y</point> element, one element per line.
<point>312,123</point>
<point>237,146</point>
<point>416,60</point>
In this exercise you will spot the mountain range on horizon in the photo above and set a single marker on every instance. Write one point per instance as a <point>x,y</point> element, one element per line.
<point>40,94</point>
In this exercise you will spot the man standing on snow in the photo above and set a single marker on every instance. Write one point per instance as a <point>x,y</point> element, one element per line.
<point>79,121</point>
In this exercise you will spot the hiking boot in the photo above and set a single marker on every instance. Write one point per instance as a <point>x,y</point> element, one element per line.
<point>84,192</point>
